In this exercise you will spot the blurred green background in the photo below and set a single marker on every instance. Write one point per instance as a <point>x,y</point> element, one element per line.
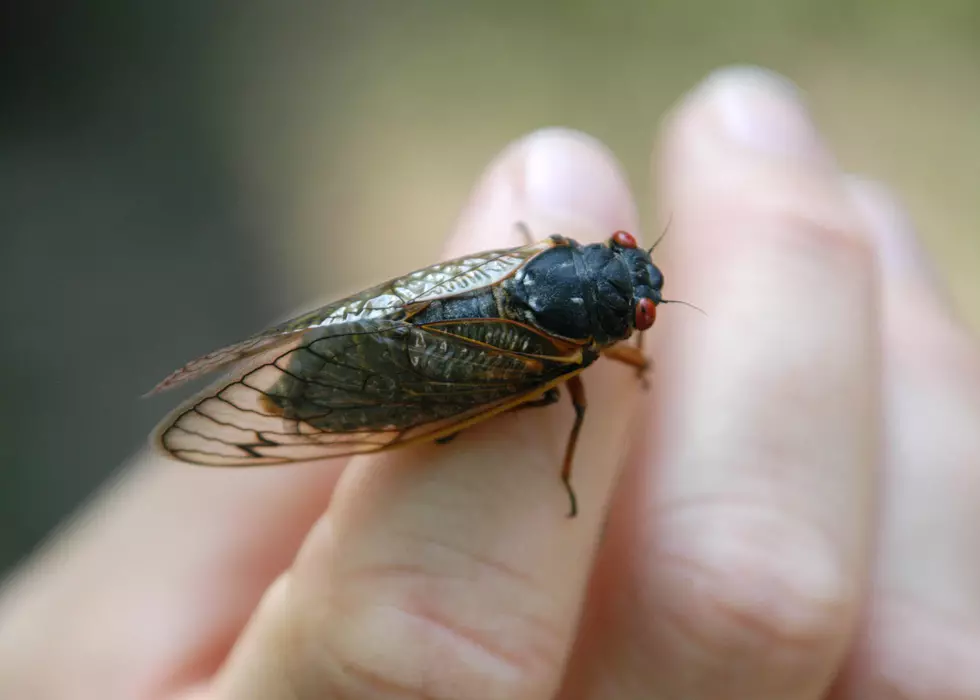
<point>176,175</point>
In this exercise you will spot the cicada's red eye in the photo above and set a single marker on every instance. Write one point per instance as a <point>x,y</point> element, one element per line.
<point>646,314</point>
<point>624,239</point>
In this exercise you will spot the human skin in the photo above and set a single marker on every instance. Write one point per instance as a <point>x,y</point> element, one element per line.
<point>790,511</point>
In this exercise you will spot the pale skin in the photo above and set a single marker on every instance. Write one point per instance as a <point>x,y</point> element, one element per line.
<point>790,511</point>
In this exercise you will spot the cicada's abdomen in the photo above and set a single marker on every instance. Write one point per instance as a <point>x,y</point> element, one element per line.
<point>475,305</point>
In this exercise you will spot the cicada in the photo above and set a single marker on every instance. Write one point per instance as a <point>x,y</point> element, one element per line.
<point>421,357</point>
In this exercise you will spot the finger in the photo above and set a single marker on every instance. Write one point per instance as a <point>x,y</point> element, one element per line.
<point>148,587</point>
<point>739,572</point>
<point>922,635</point>
<point>452,572</point>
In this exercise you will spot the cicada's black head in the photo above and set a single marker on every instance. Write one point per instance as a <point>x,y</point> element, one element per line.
<point>624,303</point>
<point>600,292</point>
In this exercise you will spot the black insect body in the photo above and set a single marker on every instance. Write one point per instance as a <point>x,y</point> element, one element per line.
<point>421,357</point>
<point>581,293</point>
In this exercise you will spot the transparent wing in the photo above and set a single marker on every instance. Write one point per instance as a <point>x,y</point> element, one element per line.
<point>364,386</point>
<point>390,300</point>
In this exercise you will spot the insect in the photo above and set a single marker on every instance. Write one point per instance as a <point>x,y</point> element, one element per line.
<point>422,357</point>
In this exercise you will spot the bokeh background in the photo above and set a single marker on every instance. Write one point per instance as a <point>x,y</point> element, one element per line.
<point>175,175</point>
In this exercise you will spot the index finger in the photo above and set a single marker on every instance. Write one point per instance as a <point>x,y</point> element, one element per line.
<point>453,570</point>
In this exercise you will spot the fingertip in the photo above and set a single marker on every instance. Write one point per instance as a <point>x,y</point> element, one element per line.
<point>556,180</point>
<point>743,164</point>
<point>571,175</point>
<point>743,127</point>
<point>747,110</point>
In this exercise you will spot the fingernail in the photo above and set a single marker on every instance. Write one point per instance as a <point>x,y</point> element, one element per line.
<point>763,111</point>
<point>890,228</point>
<point>554,181</point>
<point>571,176</point>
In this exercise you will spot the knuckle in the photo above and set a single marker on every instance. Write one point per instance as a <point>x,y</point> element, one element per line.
<point>830,241</point>
<point>835,239</point>
<point>803,192</point>
<point>804,212</point>
<point>759,588</point>
<point>406,631</point>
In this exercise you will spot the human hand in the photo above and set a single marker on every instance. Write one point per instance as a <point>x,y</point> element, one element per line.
<point>797,515</point>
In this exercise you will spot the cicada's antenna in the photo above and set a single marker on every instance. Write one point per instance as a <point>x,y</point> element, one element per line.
<point>664,233</point>
<point>670,219</point>
<point>683,303</point>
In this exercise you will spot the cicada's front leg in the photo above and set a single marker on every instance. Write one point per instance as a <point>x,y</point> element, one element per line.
<point>633,356</point>
<point>525,232</point>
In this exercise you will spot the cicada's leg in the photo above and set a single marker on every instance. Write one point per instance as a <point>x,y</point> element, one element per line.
<point>631,355</point>
<point>549,397</point>
<point>577,391</point>
<point>525,231</point>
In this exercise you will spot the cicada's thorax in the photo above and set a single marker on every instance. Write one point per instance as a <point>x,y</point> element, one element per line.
<point>581,293</point>
<point>584,294</point>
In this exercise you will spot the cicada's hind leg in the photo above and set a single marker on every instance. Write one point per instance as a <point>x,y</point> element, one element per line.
<point>576,390</point>
<point>549,397</point>
<point>633,356</point>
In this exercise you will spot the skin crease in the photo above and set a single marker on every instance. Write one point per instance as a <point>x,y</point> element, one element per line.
<point>791,511</point>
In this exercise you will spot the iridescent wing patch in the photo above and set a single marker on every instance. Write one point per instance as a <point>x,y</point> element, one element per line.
<point>388,300</point>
